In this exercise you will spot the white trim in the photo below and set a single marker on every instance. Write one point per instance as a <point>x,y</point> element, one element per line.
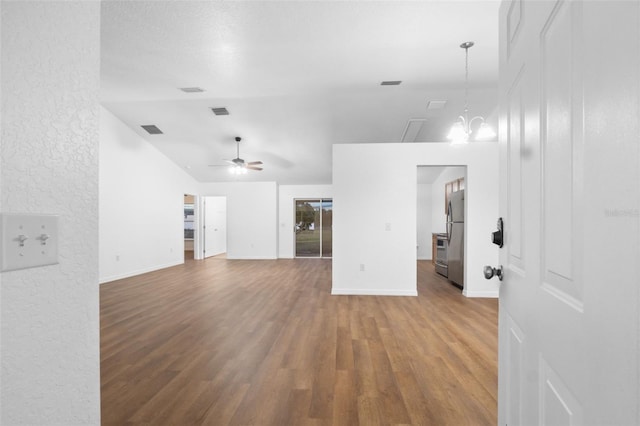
<point>486,293</point>
<point>251,257</point>
<point>371,292</point>
<point>139,272</point>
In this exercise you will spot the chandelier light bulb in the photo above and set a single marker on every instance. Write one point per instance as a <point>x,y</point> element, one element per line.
<point>458,133</point>
<point>485,132</point>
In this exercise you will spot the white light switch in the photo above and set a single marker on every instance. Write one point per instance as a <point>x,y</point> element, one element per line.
<point>28,240</point>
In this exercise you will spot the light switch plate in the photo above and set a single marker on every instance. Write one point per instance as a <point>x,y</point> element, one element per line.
<point>28,240</point>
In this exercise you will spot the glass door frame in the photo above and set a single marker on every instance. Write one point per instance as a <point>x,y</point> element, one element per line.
<point>320,201</point>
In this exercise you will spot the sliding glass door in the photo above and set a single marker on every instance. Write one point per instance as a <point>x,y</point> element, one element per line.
<point>314,218</point>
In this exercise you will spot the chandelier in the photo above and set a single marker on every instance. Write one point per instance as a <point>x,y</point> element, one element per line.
<point>461,130</point>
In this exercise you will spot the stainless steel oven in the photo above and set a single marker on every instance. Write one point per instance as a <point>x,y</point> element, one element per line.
<point>441,254</point>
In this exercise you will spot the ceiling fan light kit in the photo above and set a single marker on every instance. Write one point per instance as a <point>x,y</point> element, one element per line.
<point>461,130</point>
<point>238,166</point>
<point>238,170</point>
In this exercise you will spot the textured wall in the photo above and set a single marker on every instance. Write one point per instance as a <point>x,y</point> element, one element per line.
<point>49,151</point>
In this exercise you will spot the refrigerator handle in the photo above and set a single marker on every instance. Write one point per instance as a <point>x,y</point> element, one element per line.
<point>449,222</point>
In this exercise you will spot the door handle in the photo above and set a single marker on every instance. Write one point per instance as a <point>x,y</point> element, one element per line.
<point>497,237</point>
<point>490,272</point>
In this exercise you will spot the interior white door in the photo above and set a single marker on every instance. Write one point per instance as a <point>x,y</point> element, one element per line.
<point>570,198</point>
<point>214,225</point>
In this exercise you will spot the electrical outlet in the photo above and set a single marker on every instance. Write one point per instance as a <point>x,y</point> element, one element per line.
<point>362,267</point>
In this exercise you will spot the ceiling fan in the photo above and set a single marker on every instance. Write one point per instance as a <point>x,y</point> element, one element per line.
<point>238,166</point>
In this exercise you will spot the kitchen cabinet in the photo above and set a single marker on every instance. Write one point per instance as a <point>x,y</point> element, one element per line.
<point>449,187</point>
<point>434,247</point>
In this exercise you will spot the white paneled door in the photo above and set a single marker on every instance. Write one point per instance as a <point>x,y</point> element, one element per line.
<point>214,226</point>
<point>570,199</point>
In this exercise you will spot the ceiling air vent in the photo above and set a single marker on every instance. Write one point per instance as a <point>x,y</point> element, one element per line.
<point>220,111</point>
<point>436,104</point>
<point>152,129</point>
<point>192,89</point>
<point>391,83</point>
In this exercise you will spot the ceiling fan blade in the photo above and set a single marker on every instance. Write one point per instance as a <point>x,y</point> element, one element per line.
<point>254,168</point>
<point>254,163</point>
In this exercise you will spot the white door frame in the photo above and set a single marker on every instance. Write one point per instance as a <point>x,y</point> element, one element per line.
<point>199,224</point>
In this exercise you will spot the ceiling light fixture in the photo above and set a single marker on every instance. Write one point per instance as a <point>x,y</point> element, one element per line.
<point>238,170</point>
<point>461,130</point>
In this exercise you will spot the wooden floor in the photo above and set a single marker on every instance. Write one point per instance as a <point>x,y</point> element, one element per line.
<point>237,342</point>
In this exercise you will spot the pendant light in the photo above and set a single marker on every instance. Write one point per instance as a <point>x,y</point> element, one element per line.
<point>461,130</point>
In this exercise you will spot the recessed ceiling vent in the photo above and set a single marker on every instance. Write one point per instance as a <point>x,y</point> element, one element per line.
<point>391,83</point>
<point>436,104</point>
<point>220,111</point>
<point>192,89</point>
<point>152,129</point>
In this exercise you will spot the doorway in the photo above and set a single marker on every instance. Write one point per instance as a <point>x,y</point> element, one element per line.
<point>189,226</point>
<point>210,227</point>
<point>313,227</point>
<point>435,240</point>
<point>214,226</point>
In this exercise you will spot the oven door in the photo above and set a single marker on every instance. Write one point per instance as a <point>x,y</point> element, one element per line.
<point>441,255</point>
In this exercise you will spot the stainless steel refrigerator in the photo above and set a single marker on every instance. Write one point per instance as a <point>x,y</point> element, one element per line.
<point>455,236</point>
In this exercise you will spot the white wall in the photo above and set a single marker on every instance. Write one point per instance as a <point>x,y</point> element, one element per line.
<point>252,218</point>
<point>383,240</point>
<point>141,204</point>
<point>438,215</point>
<point>286,212</point>
<point>49,154</point>
<point>424,221</point>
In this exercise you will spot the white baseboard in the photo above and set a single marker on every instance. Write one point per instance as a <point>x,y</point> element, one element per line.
<point>251,258</point>
<point>137,272</point>
<point>371,292</point>
<point>493,294</point>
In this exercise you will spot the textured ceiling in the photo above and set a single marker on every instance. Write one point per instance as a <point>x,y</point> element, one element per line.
<point>296,76</point>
